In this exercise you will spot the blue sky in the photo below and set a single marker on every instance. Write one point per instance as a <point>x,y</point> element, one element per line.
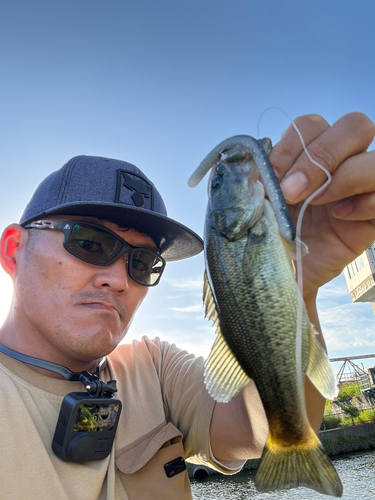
<point>159,84</point>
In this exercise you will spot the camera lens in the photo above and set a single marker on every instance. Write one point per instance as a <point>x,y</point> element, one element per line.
<point>80,448</point>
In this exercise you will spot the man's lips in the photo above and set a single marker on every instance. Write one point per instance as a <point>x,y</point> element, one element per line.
<point>106,306</point>
<point>102,302</point>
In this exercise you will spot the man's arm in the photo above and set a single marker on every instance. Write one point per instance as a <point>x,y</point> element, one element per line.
<point>334,237</point>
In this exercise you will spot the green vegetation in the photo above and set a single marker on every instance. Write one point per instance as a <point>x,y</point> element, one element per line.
<point>363,417</point>
<point>367,416</point>
<point>348,391</point>
<point>350,411</point>
<point>330,421</point>
<point>351,414</point>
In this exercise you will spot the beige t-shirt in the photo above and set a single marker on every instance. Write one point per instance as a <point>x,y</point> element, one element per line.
<point>166,414</point>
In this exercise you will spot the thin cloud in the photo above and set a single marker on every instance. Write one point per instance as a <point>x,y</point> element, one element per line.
<point>196,294</point>
<point>335,315</point>
<point>354,332</point>
<point>333,290</point>
<point>188,309</point>
<point>188,285</point>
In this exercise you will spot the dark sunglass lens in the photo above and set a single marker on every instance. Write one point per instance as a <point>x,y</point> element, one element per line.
<point>145,266</point>
<point>93,244</point>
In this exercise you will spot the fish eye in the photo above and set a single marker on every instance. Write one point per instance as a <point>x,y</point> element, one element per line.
<point>223,154</point>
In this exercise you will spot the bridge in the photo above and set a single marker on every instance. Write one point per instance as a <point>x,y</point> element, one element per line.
<point>356,373</point>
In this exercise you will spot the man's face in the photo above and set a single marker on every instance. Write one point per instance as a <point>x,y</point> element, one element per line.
<point>66,306</point>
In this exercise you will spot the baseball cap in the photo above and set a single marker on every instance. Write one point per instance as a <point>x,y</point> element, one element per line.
<point>117,191</point>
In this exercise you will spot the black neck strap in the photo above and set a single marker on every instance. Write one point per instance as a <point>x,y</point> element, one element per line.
<point>91,381</point>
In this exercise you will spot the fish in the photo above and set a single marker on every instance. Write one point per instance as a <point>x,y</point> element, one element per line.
<point>251,295</point>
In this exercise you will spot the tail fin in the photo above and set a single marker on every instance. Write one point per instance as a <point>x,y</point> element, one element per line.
<point>305,464</point>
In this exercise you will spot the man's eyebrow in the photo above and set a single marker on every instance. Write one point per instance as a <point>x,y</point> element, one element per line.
<point>124,229</point>
<point>150,247</point>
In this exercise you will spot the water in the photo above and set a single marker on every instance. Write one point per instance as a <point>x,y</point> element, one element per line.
<point>357,473</point>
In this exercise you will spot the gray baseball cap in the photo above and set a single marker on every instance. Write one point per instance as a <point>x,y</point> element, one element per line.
<point>117,191</point>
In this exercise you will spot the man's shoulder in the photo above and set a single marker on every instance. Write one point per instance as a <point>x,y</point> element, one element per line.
<point>146,347</point>
<point>142,347</point>
<point>158,355</point>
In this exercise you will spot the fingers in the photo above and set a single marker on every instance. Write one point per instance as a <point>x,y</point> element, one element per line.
<point>355,176</point>
<point>329,146</point>
<point>356,208</point>
<point>286,152</point>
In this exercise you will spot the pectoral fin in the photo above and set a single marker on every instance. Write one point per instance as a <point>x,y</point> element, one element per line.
<point>319,369</point>
<point>223,375</point>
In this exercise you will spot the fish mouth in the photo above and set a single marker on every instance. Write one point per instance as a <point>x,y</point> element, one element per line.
<point>235,163</point>
<point>234,155</point>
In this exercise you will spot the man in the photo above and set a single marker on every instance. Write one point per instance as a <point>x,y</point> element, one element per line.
<point>92,239</point>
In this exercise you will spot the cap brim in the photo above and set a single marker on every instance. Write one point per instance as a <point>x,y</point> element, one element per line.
<point>175,241</point>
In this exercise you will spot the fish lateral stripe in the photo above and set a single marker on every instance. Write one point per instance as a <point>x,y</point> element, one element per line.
<point>302,464</point>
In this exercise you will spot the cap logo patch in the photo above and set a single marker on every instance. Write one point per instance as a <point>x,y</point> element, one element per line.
<point>132,189</point>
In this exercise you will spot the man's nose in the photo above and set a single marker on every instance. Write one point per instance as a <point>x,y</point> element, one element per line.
<point>115,276</point>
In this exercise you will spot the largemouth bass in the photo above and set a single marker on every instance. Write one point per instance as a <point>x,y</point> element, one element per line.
<point>251,294</point>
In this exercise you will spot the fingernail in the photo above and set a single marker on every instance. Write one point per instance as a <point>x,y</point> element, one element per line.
<point>342,209</point>
<point>294,185</point>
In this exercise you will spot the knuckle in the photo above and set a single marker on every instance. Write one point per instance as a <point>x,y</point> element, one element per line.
<point>313,121</point>
<point>362,122</point>
<point>326,154</point>
<point>364,206</point>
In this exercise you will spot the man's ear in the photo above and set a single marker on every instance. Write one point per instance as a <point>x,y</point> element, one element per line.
<point>12,239</point>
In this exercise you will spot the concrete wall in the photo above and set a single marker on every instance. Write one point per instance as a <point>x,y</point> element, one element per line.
<point>348,439</point>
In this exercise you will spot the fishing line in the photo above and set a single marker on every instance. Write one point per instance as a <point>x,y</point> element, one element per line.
<point>299,241</point>
<point>331,338</point>
<point>337,322</point>
<point>332,326</point>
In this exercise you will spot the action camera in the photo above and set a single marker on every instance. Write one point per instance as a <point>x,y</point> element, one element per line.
<point>86,427</point>
<point>87,422</point>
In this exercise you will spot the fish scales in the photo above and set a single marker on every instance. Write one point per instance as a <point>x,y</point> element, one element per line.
<point>257,314</point>
<point>251,295</point>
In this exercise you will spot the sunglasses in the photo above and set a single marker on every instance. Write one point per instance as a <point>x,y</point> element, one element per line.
<point>100,246</point>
